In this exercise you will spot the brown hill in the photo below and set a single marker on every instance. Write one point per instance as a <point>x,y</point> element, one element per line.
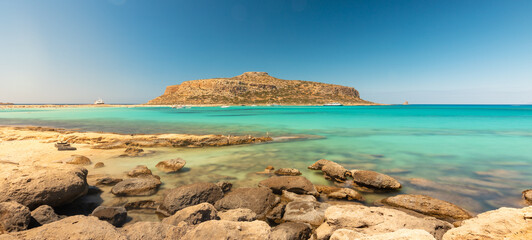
<point>257,88</point>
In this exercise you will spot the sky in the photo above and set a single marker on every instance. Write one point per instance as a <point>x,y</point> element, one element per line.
<point>128,51</point>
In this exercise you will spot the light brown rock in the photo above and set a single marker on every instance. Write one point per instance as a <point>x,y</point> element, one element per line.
<point>239,214</point>
<point>334,171</point>
<point>154,230</point>
<point>296,184</point>
<point>287,172</point>
<point>346,193</point>
<point>401,234</point>
<point>14,217</point>
<point>142,186</point>
<point>305,211</point>
<point>259,200</point>
<point>294,196</point>
<point>139,170</point>
<point>428,206</point>
<point>44,214</point>
<point>171,166</point>
<point>527,196</point>
<point>99,165</point>
<point>223,230</point>
<point>318,164</point>
<point>291,231</point>
<point>374,179</point>
<point>79,160</point>
<point>193,215</point>
<point>189,195</point>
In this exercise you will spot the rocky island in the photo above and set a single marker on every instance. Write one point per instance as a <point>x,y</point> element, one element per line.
<point>257,88</point>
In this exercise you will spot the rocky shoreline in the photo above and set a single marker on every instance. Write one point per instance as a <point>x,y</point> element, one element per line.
<point>39,202</point>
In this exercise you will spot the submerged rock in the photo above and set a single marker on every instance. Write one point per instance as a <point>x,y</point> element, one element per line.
<point>189,195</point>
<point>238,215</point>
<point>139,170</point>
<point>142,186</point>
<point>259,200</point>
<point>267,170</point>
<point>221,229</point>
<point>193,215</point>
<point>142,204</point>
<point>296,184</point>
<point>132,152</point>
<point>14,217</point>
<point>503,223</point>
<point>340,193</point>
<point>374,179</point>
<point>108,181</point>
<point>43,215</point>
<point>401,234</point>
<point>428,206</point>
<point>113,215</point>
<point>99,165</point>
<point>527,196</point>
<point>291,231</point>
<point>79,160</point>
<point>171,166</point>
<point>305,211</point>
<point>287,172</point>
<point>33,186</point>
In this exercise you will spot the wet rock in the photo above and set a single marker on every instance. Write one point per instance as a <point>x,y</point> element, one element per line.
<point>295,184</point>
<point>374,179</point>
<point>259,200</point>
<point>75,227</point>
<point>275,216</point>
<point>307,212</point>
<point>334,171</point>
<point>267,170</point>
<point>295,197</point>
<point>189,195</point>
<point>318,164</point>
<point>171,166</point>
<point>503,223</point>
<point>527,196</point>
<point>139,170</point>
<point>153,230</point>
<point>79,160</point>
<point>238,215</point>
<point>401,234</point>
<point>193,215</point>
<point>108,181</point>
<point>143,186</point>
<point>99,165</point>
<point>132,152</point>
<point>428,206</point>
<point>346,193</point>
<point>225,186</point>
<point>43,214</point>
<point>376,220</point>
<point>291,231</point>
<point>287,172</point>
<point>33,186</point>
<point>142,204</point>
<point>14,217</point>
<point>221,229</point>
<point>113,215</point>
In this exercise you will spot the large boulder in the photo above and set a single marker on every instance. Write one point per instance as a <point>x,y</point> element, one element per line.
<point>113,215</point>
<point>374,179</point>
<point>154,230</point>
<point>376,220</point>
<point>139,170</point>
<point>259,200</point>
<point>222,230</point>
<point>334,171</point>
<point>401,234</point>
<point>237,215</point>
<point>189,195</point>
<point>503,223</point>
<point>14,217</point>
<point>305,211</point>
<point>193,215</point>
<point>33,186</point>
<point>171,166</point>
<point>428,206</point>
<point>318,164</point>
<point>291,231</point>
<point>44,214</point>
<point>75,227</point>
<point>287,172</point>
<point>78,160</point>
<point>141,186</point>
<point>527,196</point>
<point>296,184</point>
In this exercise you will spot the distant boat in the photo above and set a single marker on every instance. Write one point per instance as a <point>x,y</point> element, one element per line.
<point>225,106</point>
<point>405,103</point>
<point>99,101</point>
<point>333,104</point>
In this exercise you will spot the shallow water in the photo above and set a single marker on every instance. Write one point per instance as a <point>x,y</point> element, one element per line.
<point>479,156</point>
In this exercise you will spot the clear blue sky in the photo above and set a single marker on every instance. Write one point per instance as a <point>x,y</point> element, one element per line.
<point>127,51</point>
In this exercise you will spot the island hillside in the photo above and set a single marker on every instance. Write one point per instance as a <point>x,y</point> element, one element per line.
<point>257,88</point>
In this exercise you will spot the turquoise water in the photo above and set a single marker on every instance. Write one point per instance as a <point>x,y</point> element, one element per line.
<point>479,156</point>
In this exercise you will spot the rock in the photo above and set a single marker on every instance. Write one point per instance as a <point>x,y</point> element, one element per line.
<point>428,206</point>
<point>267,170</point>
<point>99,165</point>
<point>295,184</point>
<point>94,190</point>
<point>291,231</point>
<point>334,171</point>
<point>295,197</point>
<point>346,193</point>
<point>44,214</point>
<point>108,181</point>
<point>144,186</point>
<point>238,215</point>
<point>318,164</point>
<point>171,166</point>
<point>287,172</point>
<point>374,179</point>
<point>503,223</point>
<point>14,217</point>
<point>33,186</point>
<point>225,186</point>
<point>222,230</point>
<point>259,200</point>
<point>142,204</point>
<point>154,230</point>
<point>75,227</point>
<point>139,170</point>
<point>527,196</point>
<point>132,152</point>
<point>193,215</point>
<point>189,195</point>
<point>376,220</point>
<point>401,234</point>
<point>113,215</point>
<point>79,160</point>
<point>304,211</point>
<point>275,216</point>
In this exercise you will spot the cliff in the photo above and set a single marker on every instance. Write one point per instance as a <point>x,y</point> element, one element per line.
<point>256,88</point>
